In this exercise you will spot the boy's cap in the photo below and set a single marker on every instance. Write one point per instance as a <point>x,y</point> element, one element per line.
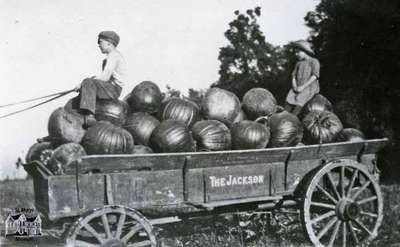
<point>110,36</point>
<point>304,46</point>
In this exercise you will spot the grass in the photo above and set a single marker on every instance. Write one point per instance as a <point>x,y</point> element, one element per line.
<point>235,230</point>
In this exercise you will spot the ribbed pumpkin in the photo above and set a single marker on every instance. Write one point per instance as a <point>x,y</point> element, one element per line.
<point>111,110</point>
<point>350,135</point>
<point>141,149</point>
<point>141,125</point>
<point>211,135</point>
<point>258,102</point>
<point>321,127</point>
<point>65,126</point>
<point>35,152</point>
<point>63,157</point>
<point>220,104</point>
<point>317,103</point>
<point>106,138</point>
<point>172,136</point>
<point>145,97</point>
<point>286,129</point>
<point>179,109</point>
<point>249,135</point>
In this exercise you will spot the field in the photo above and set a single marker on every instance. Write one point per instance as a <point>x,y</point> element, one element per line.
<point>242,229</point>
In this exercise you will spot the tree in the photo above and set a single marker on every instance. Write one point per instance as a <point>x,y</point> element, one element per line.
<point>248,61</point>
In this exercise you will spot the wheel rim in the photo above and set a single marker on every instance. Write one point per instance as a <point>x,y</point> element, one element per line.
<point>112,226</point>
<point>342,205</point>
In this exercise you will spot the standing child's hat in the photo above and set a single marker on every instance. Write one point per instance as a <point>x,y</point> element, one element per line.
<point>110,36</point>
<point>304,46</point>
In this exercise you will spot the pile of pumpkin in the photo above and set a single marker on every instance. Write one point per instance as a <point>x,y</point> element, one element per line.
<point>145,122</point>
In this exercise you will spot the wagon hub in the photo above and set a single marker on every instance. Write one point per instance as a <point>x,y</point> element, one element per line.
<point>113,243</point>
<point>347,210</point>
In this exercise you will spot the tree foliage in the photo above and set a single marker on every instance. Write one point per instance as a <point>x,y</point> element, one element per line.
<point>248,60</point>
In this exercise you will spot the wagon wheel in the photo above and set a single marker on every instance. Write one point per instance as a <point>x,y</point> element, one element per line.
<point>112,226</point>
<point>342,205</point>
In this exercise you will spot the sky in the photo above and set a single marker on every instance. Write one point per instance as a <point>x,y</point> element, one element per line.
<point>48,46</point>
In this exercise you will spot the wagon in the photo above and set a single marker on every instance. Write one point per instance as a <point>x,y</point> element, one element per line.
<point>114,200</point>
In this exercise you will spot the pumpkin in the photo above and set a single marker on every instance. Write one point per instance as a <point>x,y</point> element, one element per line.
<point>240,117</point>
<point>112,110</point>
<point>63,157</point>
<point>36,151</point>
<point>321,127</point>
<point>258,102</point>
<point>172,136</point>
<point>145,97</point>
<point>211,135</point>
<point>106,138</point>
<point>286,129</point>
<point>141,125</point>
<point>181,110</point>
<point>65,126</point>
<point>317,103</point>
<point>220,104</point>
<point>247,134</point>
<point>350,135</point>
<point>141,149</point>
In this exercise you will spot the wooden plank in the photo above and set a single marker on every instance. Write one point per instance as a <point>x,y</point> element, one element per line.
<point>374,146</point>
<point>325,151</point>
<point>249,199</point>
<point>91,191</point>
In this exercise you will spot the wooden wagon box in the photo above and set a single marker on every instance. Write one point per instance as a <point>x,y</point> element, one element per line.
<point>171,183</point>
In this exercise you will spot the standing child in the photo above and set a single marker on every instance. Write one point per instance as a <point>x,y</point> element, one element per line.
<point>305,78</point>
<point>108,84</point>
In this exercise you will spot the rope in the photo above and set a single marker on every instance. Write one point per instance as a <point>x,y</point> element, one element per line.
<point>34,99</point>
<point>58,95</point>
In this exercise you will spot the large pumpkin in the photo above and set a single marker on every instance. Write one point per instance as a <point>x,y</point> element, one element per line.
<point>37,152</point>
<point>64,156</point>
<point>321,127</point>
<point>286,129</point>
<point>141,125</point>
<point>317,103</point>
<point>179,109</point>
<point>172,136</point>
<point>258,102</point>
<point>211,135</point>
<point>112,110</point>
<point>220,104</point>
<point>106,138</point>
<point>145,97</point>
<point>249,135</point>
<point>65,126</point>
<point>350,135</point>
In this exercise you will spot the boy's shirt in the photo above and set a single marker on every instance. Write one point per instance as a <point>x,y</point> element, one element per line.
<point>304,69</point>
<point>115,62</point>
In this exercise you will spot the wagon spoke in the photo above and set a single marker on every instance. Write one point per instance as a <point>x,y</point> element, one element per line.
<point>369,199</point>
<point>369,214</point>
<point>327,194</point>
<point>361,190</point>
<point>132,232</point>
<point>324,216</point>
<point>106,225</point>
<point>328,174</point>
<point>327,227</point>
<point>334,234</point>
<point>353,179</point>
<point>121,222</point>
<point>80,243</point>
<point>344,234</point>
<point>140,244</point>
<point>342,182</point>
<point>94,233</point>
<point>353,233</point>
<point>362,226</point>
<point>323,205</point>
